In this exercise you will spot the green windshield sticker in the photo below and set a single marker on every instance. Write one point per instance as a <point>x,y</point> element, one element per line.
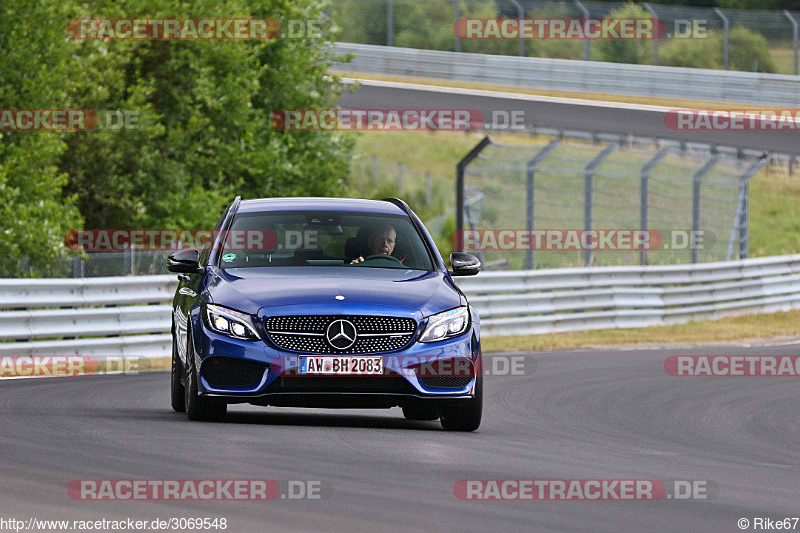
<point>228,257</point>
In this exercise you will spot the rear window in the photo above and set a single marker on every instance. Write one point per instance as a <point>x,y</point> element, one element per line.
<point>333,239</point>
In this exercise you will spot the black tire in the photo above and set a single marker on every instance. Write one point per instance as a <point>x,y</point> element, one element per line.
<point>197,407</point>
<point>421,412</point>
<point>465,417</point>
<point>177,391</point>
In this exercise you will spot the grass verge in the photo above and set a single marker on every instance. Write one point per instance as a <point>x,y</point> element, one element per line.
<point>754,328</point>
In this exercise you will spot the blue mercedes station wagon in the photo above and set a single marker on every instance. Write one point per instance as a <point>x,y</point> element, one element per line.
<point>325,303</point>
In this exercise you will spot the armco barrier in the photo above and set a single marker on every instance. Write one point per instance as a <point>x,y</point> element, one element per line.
<point>570,299</point>
<point>117,316</point>
<point>570,75</point>
<point>130,316</point>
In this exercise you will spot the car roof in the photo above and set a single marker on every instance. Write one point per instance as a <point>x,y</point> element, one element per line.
<point>356,205</point>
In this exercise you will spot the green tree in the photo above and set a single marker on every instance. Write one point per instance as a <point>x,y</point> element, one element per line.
<point>639,51</point>
<point>748,50</point>
<point>695,53</point>
<point>207,135</point>
<point>34,215</point>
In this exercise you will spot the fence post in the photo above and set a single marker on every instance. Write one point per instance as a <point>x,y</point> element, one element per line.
<point>456,15</point>
<point>468,211</point>
<point>644,194</point>
<point>588,194</point>
<point>741,221</point>
<point>727,27</point>
<point>696,201</point>
<point>657,40</point>
<point>794,37</point>
<point>77,267</point>
<point>389,23</point>
<point>530,197</point>
<point>520,15</point>
<point>587,55</point>
<point>461,166</point>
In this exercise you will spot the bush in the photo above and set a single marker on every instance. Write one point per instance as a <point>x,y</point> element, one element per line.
<point>637,51</point>
<point>746,48</point>
<point>558,49</point>
<point>695,53</point>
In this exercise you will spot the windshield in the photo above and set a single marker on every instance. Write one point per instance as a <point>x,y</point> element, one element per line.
<point>328,238</point>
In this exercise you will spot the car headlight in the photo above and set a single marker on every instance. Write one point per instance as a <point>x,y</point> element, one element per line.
<point>446,325</point>
<point>231,323</point>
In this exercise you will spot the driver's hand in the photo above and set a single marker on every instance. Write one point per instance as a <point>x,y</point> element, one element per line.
<point>357,260</point>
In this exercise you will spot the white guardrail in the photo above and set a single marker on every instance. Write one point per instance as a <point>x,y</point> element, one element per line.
<point>130,316</point>
<point>571,75</point>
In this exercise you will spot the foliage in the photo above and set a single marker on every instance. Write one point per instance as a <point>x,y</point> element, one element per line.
<point>747,49</point>
<point>639,51</point>
<point>34,217</point>
<point>203,107</point>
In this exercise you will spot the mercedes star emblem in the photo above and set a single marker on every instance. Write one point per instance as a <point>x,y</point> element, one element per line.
<point>341,334</point>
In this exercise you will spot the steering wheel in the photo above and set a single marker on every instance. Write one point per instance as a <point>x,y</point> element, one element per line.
<point>382,256</point>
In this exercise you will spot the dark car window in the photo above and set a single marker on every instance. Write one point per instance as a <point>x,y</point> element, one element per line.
<point>334,239</point>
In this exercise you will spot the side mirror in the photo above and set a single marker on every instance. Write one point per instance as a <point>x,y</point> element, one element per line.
<point>464,264</point>
<point>184,262</point>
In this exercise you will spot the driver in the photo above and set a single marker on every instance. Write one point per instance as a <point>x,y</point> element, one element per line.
<point>381,241</point>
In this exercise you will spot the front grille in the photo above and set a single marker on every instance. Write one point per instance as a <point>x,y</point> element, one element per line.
<point>445,382</point>
<point>232,373</point>
<point>306,334</point>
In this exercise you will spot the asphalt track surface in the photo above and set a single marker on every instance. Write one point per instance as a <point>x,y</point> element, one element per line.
<point>563,114</point>
<point>607,414</point>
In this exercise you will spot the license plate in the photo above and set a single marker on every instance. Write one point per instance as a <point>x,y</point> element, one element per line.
<point>341,365</point>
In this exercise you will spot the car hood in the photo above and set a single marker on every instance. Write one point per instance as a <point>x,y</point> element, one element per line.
<point>313,290</point>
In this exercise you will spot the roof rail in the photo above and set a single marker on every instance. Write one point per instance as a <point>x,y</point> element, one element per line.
<point>235,204</point>
<point>399,203</point>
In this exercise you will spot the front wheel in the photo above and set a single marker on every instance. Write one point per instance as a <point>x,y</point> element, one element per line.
<point>197,407</point>
<point>467,416</point>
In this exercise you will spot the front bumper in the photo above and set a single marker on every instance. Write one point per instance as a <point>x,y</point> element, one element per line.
<point>276,384</point>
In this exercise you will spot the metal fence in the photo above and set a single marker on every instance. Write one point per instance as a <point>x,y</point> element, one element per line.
<point>693,202</point>
<point>566,75</point>
<point>130,316</point>
<point>91,265</point>
<point>428,24</point>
